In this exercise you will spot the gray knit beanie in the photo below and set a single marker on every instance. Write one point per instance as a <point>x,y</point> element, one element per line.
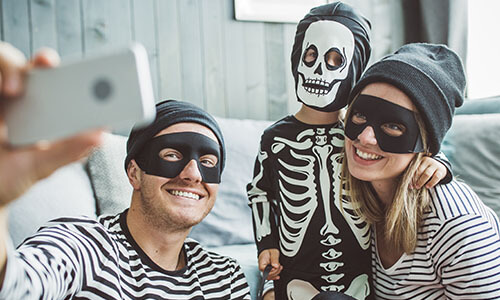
<point>431,75</point>
<point>170,112</point>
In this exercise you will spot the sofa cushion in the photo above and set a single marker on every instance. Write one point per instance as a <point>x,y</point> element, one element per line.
<point>230,221</point>
<point>67,192</point>
<point>489,105</point>
<point>105,166</point>
<point>473,147</point>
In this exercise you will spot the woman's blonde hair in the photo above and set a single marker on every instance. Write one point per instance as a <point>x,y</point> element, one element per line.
<point>404,215</point>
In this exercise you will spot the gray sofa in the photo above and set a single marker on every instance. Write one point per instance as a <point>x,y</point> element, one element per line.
<point>100,186</point>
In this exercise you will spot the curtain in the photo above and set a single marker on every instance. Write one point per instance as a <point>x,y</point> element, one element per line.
<point>437,21</point>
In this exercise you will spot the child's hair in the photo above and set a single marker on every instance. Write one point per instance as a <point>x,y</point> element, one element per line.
<point>404,215</point>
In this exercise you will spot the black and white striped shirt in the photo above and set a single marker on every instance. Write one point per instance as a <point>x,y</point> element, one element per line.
<point>457,254</point>
<point>80,258</point>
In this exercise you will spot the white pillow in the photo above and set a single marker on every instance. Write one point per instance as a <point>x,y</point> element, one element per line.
<point>107,173</point>
<point>67,192</point>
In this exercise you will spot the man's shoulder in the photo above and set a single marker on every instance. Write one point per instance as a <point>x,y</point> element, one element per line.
<point>69,221</point>
<point>74,226</point>
<point>199,253</point>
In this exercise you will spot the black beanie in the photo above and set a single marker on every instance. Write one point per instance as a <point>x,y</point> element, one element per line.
<point>431,75</point>
<point>168,113</point>
<point>360,28</point>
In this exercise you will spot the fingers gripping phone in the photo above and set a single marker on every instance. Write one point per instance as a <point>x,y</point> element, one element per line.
<point>112,91</point>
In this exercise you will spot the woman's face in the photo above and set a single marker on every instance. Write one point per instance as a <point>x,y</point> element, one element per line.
<point>366,160</point>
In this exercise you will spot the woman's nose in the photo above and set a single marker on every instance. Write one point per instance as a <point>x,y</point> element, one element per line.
<point>367,136</point>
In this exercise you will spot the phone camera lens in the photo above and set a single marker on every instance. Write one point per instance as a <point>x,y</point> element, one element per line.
<point>102,89</point>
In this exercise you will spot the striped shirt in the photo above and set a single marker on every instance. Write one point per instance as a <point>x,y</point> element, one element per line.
<point>80,258</point>
<point>457,254</point>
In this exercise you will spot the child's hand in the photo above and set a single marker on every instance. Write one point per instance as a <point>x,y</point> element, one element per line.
<point>270,257</point>
<point>431,172</point>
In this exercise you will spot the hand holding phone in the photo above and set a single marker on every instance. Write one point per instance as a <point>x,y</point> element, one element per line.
<point>112,90</point>
<point>21,167</point>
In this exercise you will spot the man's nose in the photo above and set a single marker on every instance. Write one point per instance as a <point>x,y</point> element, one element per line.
<point>367,136</point>
<point>191,172</point>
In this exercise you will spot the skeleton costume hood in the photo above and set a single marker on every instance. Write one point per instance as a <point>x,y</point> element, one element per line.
<point>330,52</point>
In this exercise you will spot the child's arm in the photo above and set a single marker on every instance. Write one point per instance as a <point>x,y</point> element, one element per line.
<point>260,192</point>
<point>433,170</point>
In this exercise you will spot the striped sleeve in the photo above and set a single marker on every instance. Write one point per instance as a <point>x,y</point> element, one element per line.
<point>239,285</point>
<point>466,247</point>
<point>59,259</point>
<point>47,266</point>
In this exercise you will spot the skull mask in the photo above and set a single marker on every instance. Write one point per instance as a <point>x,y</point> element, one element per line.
<point>327,52</point>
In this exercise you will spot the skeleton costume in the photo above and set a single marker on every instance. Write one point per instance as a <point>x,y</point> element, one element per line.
<point>295,193</point>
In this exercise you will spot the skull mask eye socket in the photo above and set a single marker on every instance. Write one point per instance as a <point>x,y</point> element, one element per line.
<point>310,56</point>
<point>334,59</point>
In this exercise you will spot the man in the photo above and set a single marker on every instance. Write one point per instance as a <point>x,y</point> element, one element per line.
<point>174,166</point>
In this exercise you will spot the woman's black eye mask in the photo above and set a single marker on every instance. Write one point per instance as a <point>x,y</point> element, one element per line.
<point>379,112</point>
<point>191,145</point>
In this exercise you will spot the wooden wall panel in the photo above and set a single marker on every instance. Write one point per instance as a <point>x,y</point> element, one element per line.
<point>288,38</point>
<point>191,45</point>
<point>69,29</point>
<point>43,24</point>
<point>277,94</point>
<point>212,18</point>
<point>106,25</point>
<point>16,24</point>
<point>234,55</point>
<point>144,31</point>
<point>169,51</point>
<point>255,106</point>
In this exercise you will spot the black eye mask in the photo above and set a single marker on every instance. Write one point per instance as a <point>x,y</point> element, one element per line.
<point>379,112</point>
<point>191,145</point>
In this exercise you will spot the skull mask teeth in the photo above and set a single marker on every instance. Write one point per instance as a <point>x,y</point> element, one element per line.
<point>327,53</point>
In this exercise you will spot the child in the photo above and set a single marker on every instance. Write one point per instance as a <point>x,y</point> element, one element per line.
<point>294,194</point>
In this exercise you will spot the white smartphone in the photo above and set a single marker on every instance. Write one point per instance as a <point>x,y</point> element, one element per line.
<point>112,90</point>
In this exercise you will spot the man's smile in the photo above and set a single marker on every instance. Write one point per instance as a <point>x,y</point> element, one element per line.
<point>185,194</point>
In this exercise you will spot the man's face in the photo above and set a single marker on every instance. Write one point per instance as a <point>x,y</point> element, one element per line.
<point>183,201</point>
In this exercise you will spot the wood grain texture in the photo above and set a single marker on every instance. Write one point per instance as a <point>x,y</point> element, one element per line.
<point>169,51</point>
<point>69,28</point>
<point>144,26</point>
<point>107,25</point>
<point>43,24</point>
<point>16,24</point>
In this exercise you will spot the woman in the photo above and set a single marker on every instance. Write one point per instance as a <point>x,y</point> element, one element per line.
<point>438,243</point>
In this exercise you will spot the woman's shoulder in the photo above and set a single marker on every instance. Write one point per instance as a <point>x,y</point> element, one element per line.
<point>456,203</point>
<point>454,199</point>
